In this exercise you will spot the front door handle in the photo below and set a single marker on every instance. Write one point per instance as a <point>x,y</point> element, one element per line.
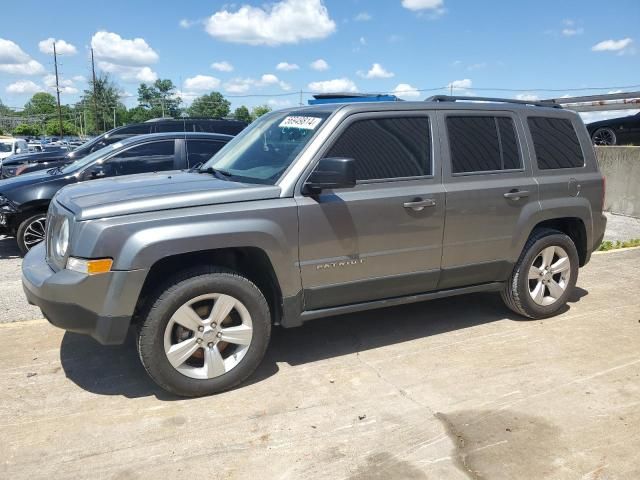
<point>419,204</point>
<point>516,194</point>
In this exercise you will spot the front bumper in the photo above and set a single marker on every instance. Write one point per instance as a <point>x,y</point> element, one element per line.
<point>97,305</point>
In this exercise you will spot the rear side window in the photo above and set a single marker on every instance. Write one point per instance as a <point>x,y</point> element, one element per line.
<point>556,143</point>
<point>482,144</point>
<point>200,151</point>
<point>387,148</point>
<point>134,130</point>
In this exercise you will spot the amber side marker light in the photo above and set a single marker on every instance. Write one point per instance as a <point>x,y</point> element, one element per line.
<point>89,267</point>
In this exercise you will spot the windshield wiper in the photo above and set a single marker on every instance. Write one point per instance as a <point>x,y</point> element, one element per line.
<point>54,170</point>
<point>221,174</point>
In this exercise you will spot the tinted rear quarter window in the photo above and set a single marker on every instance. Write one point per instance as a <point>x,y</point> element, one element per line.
<point>200,151</point>
<point>387,148</point>
<point>555,143</point>
<point>482,144</point>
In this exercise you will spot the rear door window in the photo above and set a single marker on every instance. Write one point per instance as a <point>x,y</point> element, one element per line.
<point>148,157</point>
<point>200,151</point>
<point>482,144</point>
<point>387,148</point>
<point>556,143</point>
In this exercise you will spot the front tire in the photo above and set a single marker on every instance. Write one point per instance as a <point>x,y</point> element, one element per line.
<point>544,276</point>
<point>31,232</point>
<point>205,332</point>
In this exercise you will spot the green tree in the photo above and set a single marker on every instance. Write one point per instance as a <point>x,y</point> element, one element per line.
<point>26,129</point>
<point>107,98</point>
<point>242,113</point>
<point>213,105</point>
<point>260,110</point>
<point>160,98</point>
<point>41,103</point>
<point>52,127</point>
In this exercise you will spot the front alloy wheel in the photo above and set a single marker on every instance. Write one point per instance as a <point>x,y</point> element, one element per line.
<point>205,331</point>
<point>31,232</point>
<point>604,137</point>
<point>208,336</point>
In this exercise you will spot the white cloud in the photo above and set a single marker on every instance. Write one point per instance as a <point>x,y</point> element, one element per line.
<point>333,86</point>
<point>529,97</point>
<point>477,66</point>
<point>65,85</point>
<point>130,74</point>
<point>223,66</point>
<point>588,117</point>
<point>201,83</point>
<point>79,78</point>
<point>23,86</point>
<point>460,84</point>
<point>15,61</point>
<point>286,21</point>
<point>319,65</point>
<point>570,32</point>
<point>376,71</point>
<point>186,23</point>
<point>612,45</point>
<point>279,103</point>
<point>417,5</point>
<point>404,90</point>
<point>362,17</point>
<point>62,47</point>
<point>287,67</point>
<point>129,59</point>
<point>111,47</point>
<point>243,85</point>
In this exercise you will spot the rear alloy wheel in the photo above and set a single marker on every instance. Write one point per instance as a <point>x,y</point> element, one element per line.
<point>544,275</point>
<point>604,137</point>
<point>31,232</point>
<point>204,332</point>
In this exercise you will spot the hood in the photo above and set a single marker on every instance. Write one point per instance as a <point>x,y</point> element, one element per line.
<point>35,157</point>
<point>149,192</point>
<point>26,180</point>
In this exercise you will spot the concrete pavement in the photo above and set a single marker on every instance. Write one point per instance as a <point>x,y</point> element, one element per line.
<point>456,388</point>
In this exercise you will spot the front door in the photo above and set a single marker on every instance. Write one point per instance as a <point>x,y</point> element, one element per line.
<point>383,238</point>
<point>488,186</point>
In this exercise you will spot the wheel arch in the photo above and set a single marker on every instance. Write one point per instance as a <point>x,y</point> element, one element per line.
<point>250,262</point>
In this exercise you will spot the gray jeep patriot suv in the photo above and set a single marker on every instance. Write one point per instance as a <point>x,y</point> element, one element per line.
<point>319,211</point>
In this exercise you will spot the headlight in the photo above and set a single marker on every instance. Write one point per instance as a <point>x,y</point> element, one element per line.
<point>61,240</point>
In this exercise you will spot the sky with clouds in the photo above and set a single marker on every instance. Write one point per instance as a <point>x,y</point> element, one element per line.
<point>258,51</point>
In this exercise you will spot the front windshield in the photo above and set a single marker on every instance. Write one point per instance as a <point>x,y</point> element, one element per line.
<point>92,157</point>
<point>5,147</point>
<point>264,150</point>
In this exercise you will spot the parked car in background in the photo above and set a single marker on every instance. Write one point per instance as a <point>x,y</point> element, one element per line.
<point>47,157</point>
<point>11,146</point>
<point>616,131</point>
<point>28,164</point>
<point>24,200</point>
<point>320,211</point>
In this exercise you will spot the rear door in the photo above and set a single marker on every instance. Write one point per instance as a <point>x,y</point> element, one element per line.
<point>489,188</point>
<point>382,238</point>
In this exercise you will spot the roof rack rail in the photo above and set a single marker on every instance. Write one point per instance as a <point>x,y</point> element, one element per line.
<point>454,98</point>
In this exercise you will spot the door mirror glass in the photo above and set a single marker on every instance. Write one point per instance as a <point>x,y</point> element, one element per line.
<point>332,173</point>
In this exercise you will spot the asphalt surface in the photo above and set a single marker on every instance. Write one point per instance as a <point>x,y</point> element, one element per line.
<point>457,388</point>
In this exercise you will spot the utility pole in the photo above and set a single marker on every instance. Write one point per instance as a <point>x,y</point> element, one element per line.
<point>114,117</point>
<point>300,97</point>
<point>95,98</point>
<point>55,62</point>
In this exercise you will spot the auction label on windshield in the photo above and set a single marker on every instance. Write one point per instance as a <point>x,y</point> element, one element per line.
<point>307,123</point>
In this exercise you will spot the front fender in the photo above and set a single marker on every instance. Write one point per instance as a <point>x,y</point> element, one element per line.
<point>139,241</point>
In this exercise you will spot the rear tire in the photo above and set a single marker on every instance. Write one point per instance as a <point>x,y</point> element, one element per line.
<point>604,136</point>
<point>204,332</point>
<point>544,275</point>
<point>31,232</point>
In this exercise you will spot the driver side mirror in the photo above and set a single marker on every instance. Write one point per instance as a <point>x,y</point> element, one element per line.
<point>98,172</point>
<point>331,173</point>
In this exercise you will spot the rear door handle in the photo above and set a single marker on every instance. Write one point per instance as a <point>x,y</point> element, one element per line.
<point>516,194</point>
<point>419,204</point>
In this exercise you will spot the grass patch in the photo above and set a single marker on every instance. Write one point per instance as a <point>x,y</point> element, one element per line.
<point>608,245</point>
